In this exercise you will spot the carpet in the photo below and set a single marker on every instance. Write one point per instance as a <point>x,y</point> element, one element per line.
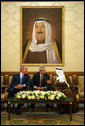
<point>42,118</point>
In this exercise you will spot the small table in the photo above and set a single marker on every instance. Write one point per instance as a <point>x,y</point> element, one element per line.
<point>13,100</point>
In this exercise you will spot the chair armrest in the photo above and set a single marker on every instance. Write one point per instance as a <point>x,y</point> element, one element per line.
<point>3,88</point>
<point>77,97</point>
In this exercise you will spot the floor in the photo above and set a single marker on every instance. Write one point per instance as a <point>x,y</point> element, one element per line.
<point>41,117</point>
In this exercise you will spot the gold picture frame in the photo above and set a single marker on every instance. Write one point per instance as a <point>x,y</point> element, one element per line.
<point>28,15</point>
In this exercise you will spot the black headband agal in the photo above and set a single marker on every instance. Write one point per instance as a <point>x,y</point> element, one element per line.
<point>58,69</point>
<point>42,19</point>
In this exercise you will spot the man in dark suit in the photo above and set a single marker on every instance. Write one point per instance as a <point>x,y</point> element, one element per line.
<point>19,83</point>
<point>41,81</point>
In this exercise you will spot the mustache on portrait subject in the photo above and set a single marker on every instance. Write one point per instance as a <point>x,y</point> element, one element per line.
<point>40,32</point>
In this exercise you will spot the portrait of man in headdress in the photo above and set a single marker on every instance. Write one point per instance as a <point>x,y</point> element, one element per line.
<point>42,47</point>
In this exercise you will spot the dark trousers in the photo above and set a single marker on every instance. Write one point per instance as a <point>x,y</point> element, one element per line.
<point>17,110</point>
<point>19,105</point>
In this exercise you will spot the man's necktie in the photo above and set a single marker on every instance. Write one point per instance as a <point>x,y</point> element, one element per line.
<point>21,79</point>
<point>41,80</point>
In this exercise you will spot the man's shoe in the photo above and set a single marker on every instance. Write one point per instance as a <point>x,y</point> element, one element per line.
<point>49,106</point>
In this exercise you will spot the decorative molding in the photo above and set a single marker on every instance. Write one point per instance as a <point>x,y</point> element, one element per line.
<point>51,73</point>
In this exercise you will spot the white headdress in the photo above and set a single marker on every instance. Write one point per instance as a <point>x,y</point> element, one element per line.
<point>47,46</point>
<point>60,74</point>
<point>61,77</point>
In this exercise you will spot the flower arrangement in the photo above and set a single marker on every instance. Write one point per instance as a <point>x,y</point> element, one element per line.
<point>38,95</point>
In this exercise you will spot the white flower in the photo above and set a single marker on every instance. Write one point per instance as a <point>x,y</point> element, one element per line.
<point>57,97</point>
<point>33,97</point>
<point>51,97</point>
<point>42,96</point>
<point>18,96</point>
<point>59,94</point>
<point>43,92</point>
<point>24,96</point>
<point>29,97</point>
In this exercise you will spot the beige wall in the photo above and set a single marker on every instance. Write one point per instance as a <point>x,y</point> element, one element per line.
<point>73,35</point>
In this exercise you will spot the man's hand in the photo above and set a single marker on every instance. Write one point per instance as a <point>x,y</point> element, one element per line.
<point>40,88</point>
<point>48,81</point>
<point>19,86</point>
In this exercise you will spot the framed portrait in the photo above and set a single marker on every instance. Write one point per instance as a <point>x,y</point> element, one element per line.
<point>42,35</point>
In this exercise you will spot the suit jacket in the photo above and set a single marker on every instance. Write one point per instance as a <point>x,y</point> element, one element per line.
<point>36,80</point>
<point>15,81</point>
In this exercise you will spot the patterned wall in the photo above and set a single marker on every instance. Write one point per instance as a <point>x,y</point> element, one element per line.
<point>73,35</point>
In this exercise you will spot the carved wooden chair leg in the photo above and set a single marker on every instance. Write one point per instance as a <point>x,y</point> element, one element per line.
<point>13,109</point>
<point>7,107</point>
<point>3,106</point>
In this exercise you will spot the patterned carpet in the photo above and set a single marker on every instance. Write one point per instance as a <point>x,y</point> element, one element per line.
<point>41,117</point>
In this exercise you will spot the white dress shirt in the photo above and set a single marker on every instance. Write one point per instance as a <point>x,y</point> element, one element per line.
<point>21,77</point>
